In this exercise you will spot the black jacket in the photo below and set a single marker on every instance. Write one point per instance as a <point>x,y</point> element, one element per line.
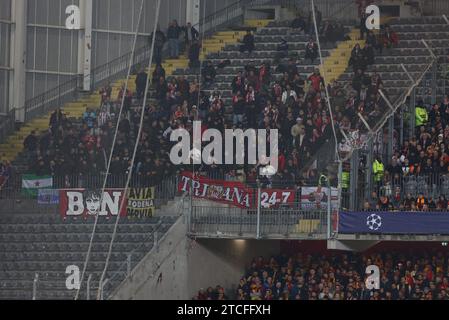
<point>160,39</point>
<point>195,33</point>
<point>141,79</point>
<point>209,72</point>
<point>30,143</point>
<point>173,32</point>
<point>194,52</point>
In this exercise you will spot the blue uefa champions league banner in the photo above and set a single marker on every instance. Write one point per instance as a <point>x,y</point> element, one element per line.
<point>394,222</point>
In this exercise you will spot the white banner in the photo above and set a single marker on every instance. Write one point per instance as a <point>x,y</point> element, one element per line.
<point>318,197</point>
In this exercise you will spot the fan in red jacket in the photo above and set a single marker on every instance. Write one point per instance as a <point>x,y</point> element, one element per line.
<point>316,80</point>
<point>389,37</point>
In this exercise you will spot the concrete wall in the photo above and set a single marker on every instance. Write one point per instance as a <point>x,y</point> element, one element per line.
<point>406,10</point>
<point>53,52</point>
<point>180,266</point>
<point>213,6</point>
<point>214,262</point>
<point>53,56</point>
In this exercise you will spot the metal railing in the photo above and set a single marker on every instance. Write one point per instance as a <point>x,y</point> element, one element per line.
<point>7,125</point>
<point>115,69</point>
<point>335,9</point>
<point>230,15</point>
<point>430,185</point>
<point>281,223</point>
<point>69,90</point>
<point>435,7</point>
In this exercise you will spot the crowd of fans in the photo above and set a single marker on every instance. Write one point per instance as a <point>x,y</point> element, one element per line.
<point>341,277</point>
<point>294,105</point>
<point>424,158</point>
<point>68,150</point>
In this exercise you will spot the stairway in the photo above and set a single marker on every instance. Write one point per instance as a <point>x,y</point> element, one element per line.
<point>13,146</point>
<point>259,23</point>
<point>336,64</point>
<point>333,68</point>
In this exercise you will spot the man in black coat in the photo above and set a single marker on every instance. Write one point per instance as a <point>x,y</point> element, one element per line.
<point>208,74</point>
<point>248,43</point>
<point>141,83</point>
<point>311,50</point>
<point>191,35</point>
<point>30,145</point>
<point>158,44</point>
<point>298,23</point>
<point>363,29</point>
<point>368,54</point>
<point>173,33</point>
<point>194,54</point>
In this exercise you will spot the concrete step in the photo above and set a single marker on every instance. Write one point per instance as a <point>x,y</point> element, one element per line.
<point>257,23</point>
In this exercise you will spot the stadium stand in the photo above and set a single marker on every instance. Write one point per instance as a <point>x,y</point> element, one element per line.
<point>264,74</point>
<point>340,276</point>
<point>45,244</point>
<point>88,131</point>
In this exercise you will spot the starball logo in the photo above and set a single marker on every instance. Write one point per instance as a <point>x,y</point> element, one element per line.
<point>212,153</point>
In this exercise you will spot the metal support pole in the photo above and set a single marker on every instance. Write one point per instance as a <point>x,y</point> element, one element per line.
<point>390,137</point>
<point>258,209</point>
<point>445,18</point>
<point>412,112</point>
<point>434,82</point>
<point>353,180</point>
<point>340,184</point>
<point>340,195</point>
<point>401,132</point>
<point>329,208</point>
<point>128,265</point>
<point>443,76</point>
<point>17,54</point>
<point>35,281</point>
<point>407,73</point>
<point>155,239</point>
<point>89,279</point>
<point>387,101</point>
<point>369,170</point>
<point>428,48</point>
<point>102,285</point>
<point>365,123</point>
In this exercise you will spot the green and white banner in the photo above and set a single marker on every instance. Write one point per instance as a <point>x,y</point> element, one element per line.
<point>31,184</point>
